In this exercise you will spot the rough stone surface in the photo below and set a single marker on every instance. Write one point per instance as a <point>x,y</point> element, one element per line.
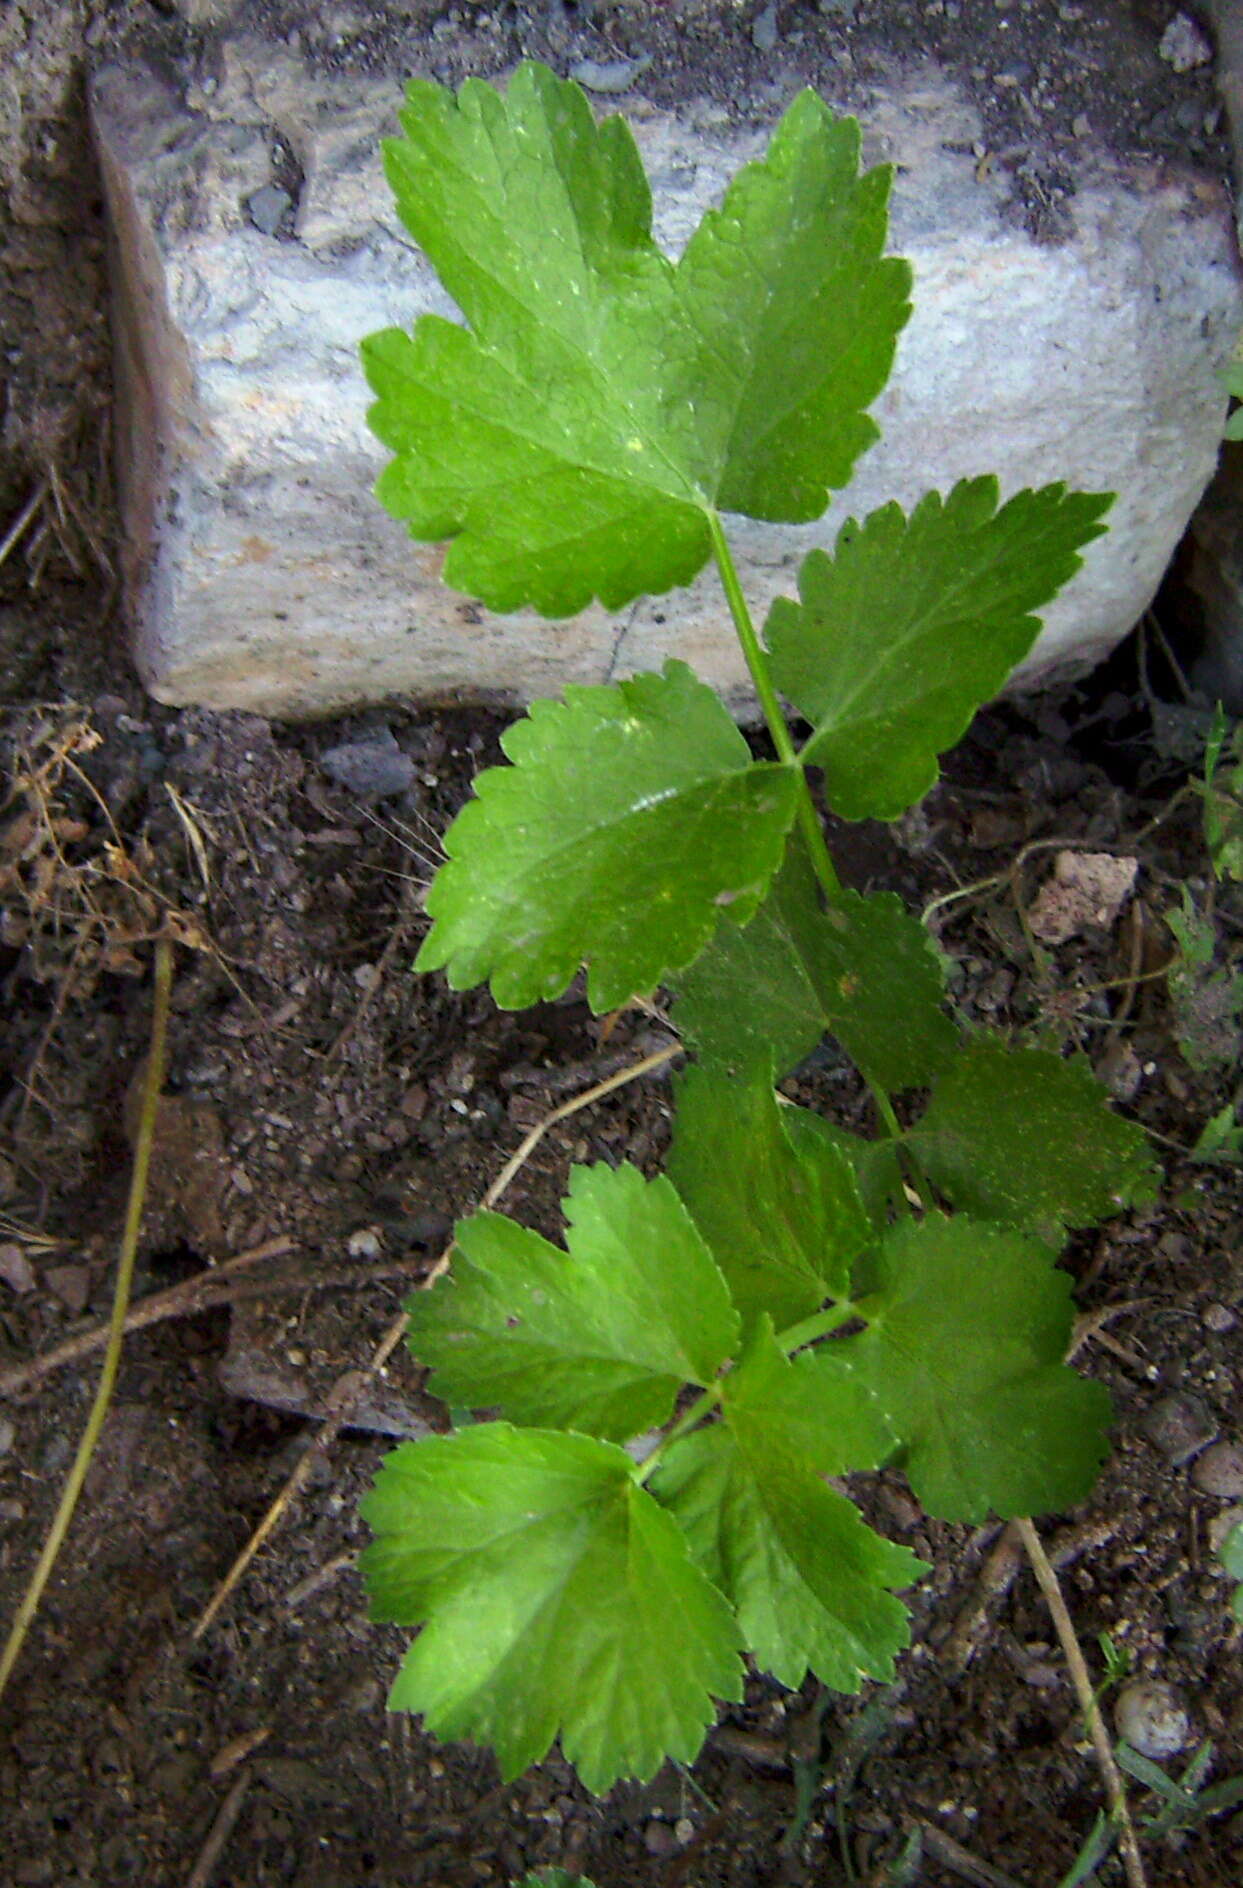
<point>262,574</point>
<point>1219,1471</point>
<point>1179,1426</point>
<point>1152,1718</point>
<point>374,770</point>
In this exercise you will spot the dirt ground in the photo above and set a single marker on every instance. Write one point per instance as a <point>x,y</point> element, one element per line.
<point>327,1115</point>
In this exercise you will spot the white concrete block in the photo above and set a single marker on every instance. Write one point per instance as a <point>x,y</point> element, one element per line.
<point>262,574</point>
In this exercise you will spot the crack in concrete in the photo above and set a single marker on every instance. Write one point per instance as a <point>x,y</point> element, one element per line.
<point>627,625</point>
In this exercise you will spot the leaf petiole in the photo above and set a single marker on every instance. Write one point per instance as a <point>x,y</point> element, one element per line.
<point>757,664</point>
<point>797,1336</point>
<point>688,1420</point>
<point>912,1171</point>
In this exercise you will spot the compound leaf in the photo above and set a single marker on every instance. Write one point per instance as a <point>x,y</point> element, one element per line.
<point>912,624</point>
<point>809,1580</point>
<point>598,1338</point>
<point>783,1225</point>
<point>574,439</point>
<point>631,814</point>
<point>860,967</point>
<point>1021,1136</point>
<point>558,1597</point>
<point>966,1333</point>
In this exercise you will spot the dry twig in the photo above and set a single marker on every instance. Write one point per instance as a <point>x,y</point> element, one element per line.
<point>998,1574</point>
<point>25,518</point>
<point>205,1292</point>
<point>950,1854</point>
<point>220,1831</point>
<point>1115,1789</point>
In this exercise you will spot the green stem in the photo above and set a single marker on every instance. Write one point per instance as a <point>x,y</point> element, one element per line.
<point>791,1340</point>
<point>819,1325</point>
<point>907,1161</point>
<point>798,1334</point>
<point>689,1419</point>
<point>808,819</point>
<point>757,664</point>
<point>120,1306</point>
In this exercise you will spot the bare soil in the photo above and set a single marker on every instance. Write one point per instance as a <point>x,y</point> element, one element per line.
<point>327,1109</point>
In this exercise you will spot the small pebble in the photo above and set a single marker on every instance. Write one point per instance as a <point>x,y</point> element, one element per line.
<point>1222,1524</point>
<point>375,769</point>
<point>1179,1426</point>
<point>15,1268</point>
<point>1219,1471</point>
<point>365,1243</point>
<point>1183,45</point>
<point>8,1435</point>
<point>659,1838</point>
<point>609,75</point>
<point>764,29</point>
<point>267,208</point>
<point>1152,1718</point>
<point>72,1285</point>
<point>1219,1318</point>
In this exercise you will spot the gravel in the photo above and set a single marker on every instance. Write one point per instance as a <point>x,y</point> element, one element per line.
<point>1152,1718</point>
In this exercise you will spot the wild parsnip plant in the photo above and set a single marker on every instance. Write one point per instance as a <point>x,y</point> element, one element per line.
<point>789,1302</point>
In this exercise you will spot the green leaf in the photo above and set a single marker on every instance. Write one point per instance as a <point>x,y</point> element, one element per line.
<point>1207,1000</point>
<point>875,1164</point>
<point>1021,1136</point>
<point>554,1878</point>
<point>1221,1138</point>
<point>599,1338</point>
<point>631,815</point>
<point>782,1225</point>
<point>966,1333</point>
<point>913,624</point>
<point>1231,1551</point>
<point>1223,813</point>
<point>558,1597</point>
<point>1232,380</point>
<point>575,437</point>
<point>808,1579</point>
<point>861,968</point>
<point>796,313</point>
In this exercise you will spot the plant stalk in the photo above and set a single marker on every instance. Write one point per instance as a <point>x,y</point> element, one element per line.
<point>798,1334</point>
<point>120,1306</point>
<point>808,819</point>
<point>757,665</point>
<point>818,1325</point>
<point>689,1419</point>
<point>911,1170</point>
<point>1115,1789</point>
